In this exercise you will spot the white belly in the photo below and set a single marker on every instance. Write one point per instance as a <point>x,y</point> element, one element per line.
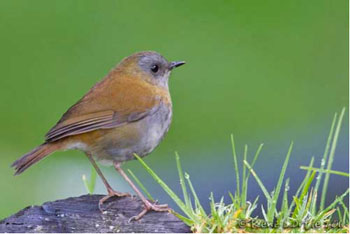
<point>152,130</point>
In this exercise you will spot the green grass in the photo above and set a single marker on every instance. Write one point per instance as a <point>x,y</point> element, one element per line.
<point>297,213</point>
<point>301,214</point>
<point>90,184</point>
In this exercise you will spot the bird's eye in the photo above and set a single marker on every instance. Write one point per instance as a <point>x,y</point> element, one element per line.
<point>154,68</point>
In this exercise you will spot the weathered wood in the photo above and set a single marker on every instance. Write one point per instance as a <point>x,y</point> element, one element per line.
<point>81,214</point>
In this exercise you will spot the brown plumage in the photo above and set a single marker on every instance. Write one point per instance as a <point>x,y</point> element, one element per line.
<point>34,156</point>
<point>128,112</point>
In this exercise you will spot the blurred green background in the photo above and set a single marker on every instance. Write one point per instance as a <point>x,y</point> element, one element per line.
<point>268,71</point>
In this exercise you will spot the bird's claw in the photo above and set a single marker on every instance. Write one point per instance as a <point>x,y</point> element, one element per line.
<point>148,207</point>
<point>111,193</point>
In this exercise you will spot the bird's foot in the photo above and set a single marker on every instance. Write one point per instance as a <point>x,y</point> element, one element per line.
<point>111,193</point>
<point>151,206</point>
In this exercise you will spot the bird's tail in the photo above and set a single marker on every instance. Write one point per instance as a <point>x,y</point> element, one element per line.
<point>34,156</point>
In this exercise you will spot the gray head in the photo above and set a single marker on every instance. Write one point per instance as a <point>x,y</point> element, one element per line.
<point>156,68</point>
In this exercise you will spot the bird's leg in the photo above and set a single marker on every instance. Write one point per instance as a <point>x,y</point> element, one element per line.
<point>111,192</point>
<point>148,205</point>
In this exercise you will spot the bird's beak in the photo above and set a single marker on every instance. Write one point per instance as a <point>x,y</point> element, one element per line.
<point>176,64</point>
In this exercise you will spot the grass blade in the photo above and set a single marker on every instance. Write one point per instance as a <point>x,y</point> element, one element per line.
<point>332,205</point>
<point>308,180</point>
<point>196,200</point>
<point>325,171</point>
<point>214,211</point>
<point>346,212</point>
<point>251,208</point>
<point>257,153</point>
<point>145,191</point>
<point>284,207</point>
<point>170,192</point>
<point>340,217</point>
<point>90,185</point>
<point>270,212</point>
<point>236,165</point>
<point>244,181</point>
<point>182,180</point>
<point>186,220</point>
<point>296,195</point>
<point>324,159</point>
<point>330,159</point>
<point>86,183</point>
<point>264,190</point>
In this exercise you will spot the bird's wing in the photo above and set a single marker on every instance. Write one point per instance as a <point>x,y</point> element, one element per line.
<point>94,121</point>
<point>107,105</point>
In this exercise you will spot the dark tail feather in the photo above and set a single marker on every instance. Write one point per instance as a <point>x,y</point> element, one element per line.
<point>34,156</point>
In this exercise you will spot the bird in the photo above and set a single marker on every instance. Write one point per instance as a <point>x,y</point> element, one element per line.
<point>128,112</point>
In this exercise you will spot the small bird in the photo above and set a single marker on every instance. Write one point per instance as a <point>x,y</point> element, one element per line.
<point>128,112</point>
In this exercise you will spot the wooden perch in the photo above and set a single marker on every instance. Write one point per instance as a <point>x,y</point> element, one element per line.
<point>81,214</point>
